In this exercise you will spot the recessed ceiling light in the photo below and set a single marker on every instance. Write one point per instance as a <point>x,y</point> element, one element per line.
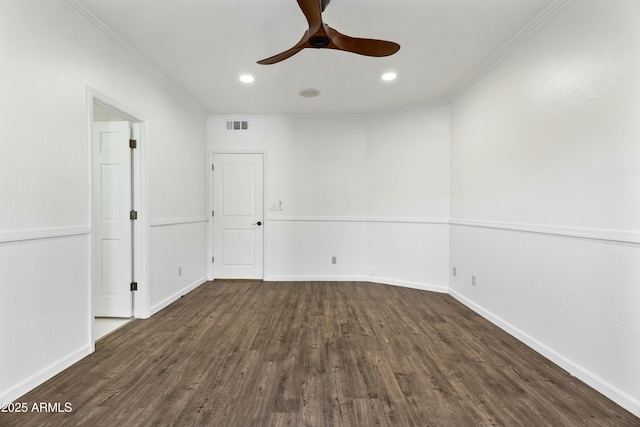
<point>387,77</point>
<point>246,78</point>
<point>309,93</point>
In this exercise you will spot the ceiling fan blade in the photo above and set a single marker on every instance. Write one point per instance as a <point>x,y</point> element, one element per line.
<point>281,56</point>
<point>287,53</point>
<point>312,10</point>
<point>367,47</point>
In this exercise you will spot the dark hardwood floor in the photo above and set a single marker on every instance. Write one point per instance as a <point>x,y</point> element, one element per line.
<point>238,353</point>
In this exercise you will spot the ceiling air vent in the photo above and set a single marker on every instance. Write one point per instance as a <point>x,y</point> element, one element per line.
<point>237,125</point>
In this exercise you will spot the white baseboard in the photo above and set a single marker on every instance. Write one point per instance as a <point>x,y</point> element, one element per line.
<point>405,284</point>
<point>379,280</point>
<point>272,278</point>
<point>43,375</point>
<point>618,396</point>
<point>167,301</point>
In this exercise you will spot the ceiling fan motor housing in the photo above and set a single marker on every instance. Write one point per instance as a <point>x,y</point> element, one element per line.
<point>319,41</point>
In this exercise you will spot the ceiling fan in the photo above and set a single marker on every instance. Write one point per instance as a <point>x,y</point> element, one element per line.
<point>320,36</point>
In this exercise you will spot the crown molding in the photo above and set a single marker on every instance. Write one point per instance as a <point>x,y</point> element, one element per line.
<point>95,22</point>
<point>216,117</point>
<point>534,26</point>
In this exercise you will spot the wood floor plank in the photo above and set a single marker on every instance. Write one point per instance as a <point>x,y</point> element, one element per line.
<point>248,353</point>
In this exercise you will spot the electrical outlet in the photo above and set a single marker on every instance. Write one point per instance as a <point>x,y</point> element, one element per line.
<point>179,271</point>
<point>473,280</point>
<point>455,272</point>
<point>334,260</point>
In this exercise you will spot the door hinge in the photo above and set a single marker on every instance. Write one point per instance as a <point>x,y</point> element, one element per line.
<point>213,167</point>
<point>133,143</point>
<point>134,286</point>
<point>133,215</point>
<point>213,260</point>
<point>213,213</point>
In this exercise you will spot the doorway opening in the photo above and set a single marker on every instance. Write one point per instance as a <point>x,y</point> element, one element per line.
<point>119,237</point>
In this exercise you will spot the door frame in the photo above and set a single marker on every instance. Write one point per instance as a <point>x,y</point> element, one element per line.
<point>140,177</point>
<point>210,206</point>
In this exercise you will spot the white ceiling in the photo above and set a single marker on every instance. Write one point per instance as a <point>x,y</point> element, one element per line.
<point>204,45</point>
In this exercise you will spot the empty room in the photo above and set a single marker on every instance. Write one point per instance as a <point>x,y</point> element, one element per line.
<point>313,212</point>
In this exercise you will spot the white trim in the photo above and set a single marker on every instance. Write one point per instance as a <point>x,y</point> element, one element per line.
<point>176,296</point>
<point>582,233</point>
<point>444,221</point>
<point>44,375</point>
<point>141,236</point>
<point>94,21</point>
<point>178,221</point>
<point>534,26</point>
<point>221,118</point>
<point>315,219</point>
<point>428,104</point>
<point>43,233</point>
<point>210,198</point>
<point>574,232</point>
<point>366,279</point>
<point>412,285</point>
<point>623,399</point>
<point>405,108</point>
<point>210,209</point>
<point>436,221</point>
<point>106,101</point>
<point>295,278</point>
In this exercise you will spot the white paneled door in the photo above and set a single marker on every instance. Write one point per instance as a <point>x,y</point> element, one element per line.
<point>238,223</point>
<point>111,224</point>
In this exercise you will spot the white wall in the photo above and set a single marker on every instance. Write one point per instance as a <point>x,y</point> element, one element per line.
<point>49,56</point>
<point>546,194</point>
<point>316,166</point>
<point>372,191</point>
<point>408,197</point>
<point>543,191</point>
<point>179,260</point>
